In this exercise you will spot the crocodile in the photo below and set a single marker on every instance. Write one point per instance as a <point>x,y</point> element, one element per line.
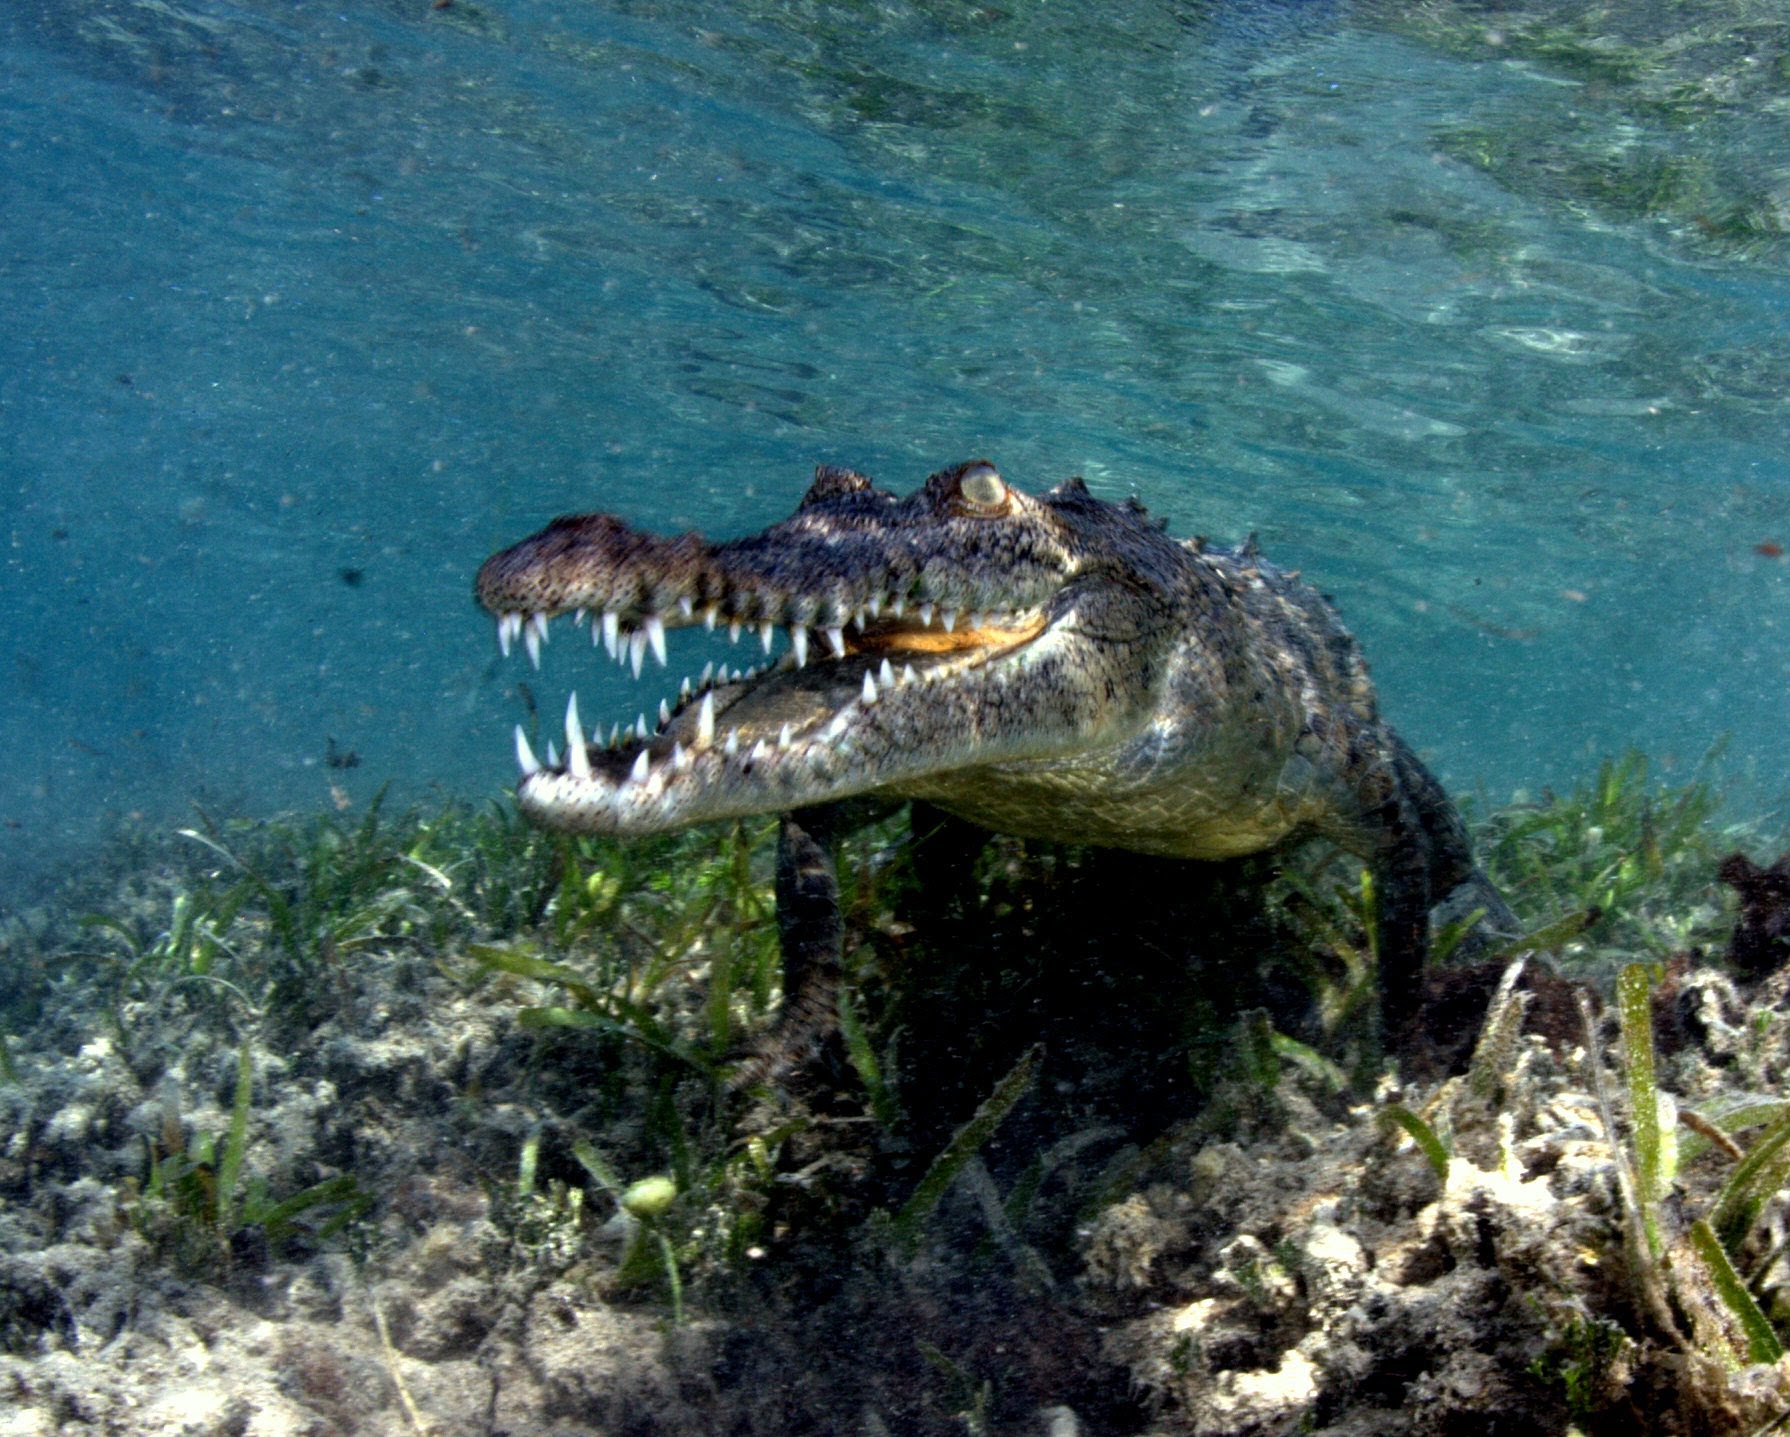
<point>1052,666</point>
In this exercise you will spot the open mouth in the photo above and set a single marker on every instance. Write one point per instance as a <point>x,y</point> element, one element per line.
<point>801,717</point>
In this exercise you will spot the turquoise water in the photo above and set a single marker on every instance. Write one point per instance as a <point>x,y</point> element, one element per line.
<point>1480,317</point>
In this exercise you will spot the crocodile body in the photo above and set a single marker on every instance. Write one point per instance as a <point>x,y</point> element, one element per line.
<point>1052,666</point>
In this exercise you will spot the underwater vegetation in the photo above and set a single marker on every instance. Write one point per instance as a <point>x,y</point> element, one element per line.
<point>194,1204</point>
<point>1637,853</point>
<point>253,1004</point>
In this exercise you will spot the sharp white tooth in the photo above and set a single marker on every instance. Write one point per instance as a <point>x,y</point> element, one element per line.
<point>578,759</point>
<point>857,619</point>
<point>579,616</point>
<point>897,607</point>
<point>540,624</point>
<point>759,751</point>
<point>907,673</point>
<point>612,632</point>
<point>615,734</point>
<point>655,635</point>
<point>531,640</point>
<point>552,755</point>
<point>705,720</point>
<point>680,757</point>
<point>732,746</point>
<point>733,631</point>
<point>664,713</point>
<point>798,643</point>
<point>503,634</point>
<point>684,690</point>
<point>836,641</point>
<point>707,676</point>
<point>949,619</point>
<point>636,650</point>
<point>737,676</point>
<point>640,726</point>
<point>525,756</point>
<point>711,616</point>
<point>886,675</point>
<point>686,606</point>
<point>869,694</point>
<point>765,631</point>
<point>875,606</point>
<point>783,737</point>
<point>974,622</point>
<point>642,767</point>
<point>925,613</point>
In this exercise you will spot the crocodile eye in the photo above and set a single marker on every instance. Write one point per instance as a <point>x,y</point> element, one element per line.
<point>982,490</point>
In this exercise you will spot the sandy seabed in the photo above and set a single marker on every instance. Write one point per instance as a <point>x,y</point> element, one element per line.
<point>1309,1271</point>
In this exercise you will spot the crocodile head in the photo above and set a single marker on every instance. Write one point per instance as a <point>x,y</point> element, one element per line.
<point>967,639</point>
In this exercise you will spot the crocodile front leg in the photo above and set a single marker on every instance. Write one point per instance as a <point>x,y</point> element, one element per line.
<point>810,931</point>
<point>811,934</point>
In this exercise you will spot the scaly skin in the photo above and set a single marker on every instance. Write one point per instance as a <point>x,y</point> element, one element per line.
<point>1055,667</point>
